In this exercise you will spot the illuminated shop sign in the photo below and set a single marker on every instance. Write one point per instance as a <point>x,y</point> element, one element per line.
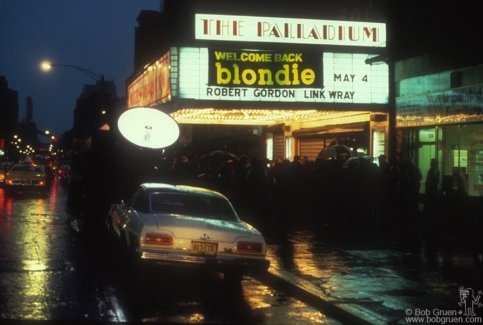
<point>153,86</point>
<point>452,106</point>
<point>264,69</point>
<point>305,76</point>
<point>289,30</point>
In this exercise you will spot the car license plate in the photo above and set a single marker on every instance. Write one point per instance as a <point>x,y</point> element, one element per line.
<point>25,182</point>
<point>199,247</point>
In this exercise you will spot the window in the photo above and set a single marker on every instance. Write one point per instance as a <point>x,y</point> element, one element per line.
<point>459,152</point>
<point>378,143</point>
<point>192,205</point>
<point>288,148</point>
<point>269,146</point>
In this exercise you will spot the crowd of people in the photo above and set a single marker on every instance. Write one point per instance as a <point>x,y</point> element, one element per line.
<point>347,194</point>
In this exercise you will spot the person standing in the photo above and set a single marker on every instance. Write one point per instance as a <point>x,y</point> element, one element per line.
<point>411,177</point>
<point>431,187</point>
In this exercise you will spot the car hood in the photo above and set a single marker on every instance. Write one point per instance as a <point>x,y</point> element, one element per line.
<point>195,227</point>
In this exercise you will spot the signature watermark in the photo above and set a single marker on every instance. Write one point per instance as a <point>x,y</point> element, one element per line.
<point>468,303</point>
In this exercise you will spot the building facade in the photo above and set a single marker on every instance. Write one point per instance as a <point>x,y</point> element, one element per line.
<point>277,80</point>
<point>8,119</point>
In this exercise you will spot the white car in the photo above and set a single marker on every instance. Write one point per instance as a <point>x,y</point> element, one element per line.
<point>181,226</point>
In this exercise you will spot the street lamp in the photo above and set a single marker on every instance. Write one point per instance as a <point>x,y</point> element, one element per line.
<point>47,66</point>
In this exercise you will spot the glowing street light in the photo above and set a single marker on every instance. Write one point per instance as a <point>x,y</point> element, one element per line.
<point>47,66</point>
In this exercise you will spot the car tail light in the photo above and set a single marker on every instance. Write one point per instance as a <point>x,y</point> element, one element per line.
<point>41,183</point>
<point>248,247</point>
<point>158,239</point>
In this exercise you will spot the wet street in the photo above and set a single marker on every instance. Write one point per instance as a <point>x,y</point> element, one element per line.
<point>57,264</point>
<point>381,280</point>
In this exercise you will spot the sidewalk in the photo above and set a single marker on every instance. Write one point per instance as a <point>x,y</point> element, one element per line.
<point>375,277</point>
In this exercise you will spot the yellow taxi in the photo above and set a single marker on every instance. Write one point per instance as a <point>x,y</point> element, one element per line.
<point>26,176</point>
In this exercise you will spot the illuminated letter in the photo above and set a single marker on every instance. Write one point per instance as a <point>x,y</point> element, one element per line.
<point>352,33</point>
<point>372,31</point>
<point>275,32</point>
<point>313,33</point>
<point>307,76</point>
<point>262,29</point>
<point>329,32</point>
<point>220,55</point>
<point>295,72</point>
<point>219,74</point>
<point>285,71</point>
<point>236,74</point>
<point>252,79</point>
<point>205,26</point>
<point>262,73</point>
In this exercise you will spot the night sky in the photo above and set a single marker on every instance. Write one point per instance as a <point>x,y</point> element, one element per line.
<point>97,35</point>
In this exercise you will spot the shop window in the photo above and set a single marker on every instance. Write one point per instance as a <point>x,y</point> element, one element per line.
<point>427,150</point>
<point>269,146</point>
<point>471,157</point>
<point>288,148</point>
<point>378,143</point>
<point>460,158</point>
<point>462,155</point>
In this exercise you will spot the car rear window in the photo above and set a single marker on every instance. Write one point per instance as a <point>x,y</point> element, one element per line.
<point>192,205</point>
<point>26,169</point>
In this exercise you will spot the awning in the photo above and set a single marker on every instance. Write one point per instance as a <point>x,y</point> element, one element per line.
<point>330,129</point>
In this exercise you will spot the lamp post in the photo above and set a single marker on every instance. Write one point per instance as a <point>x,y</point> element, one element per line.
<point>85,182</point>
<point>47,66</point>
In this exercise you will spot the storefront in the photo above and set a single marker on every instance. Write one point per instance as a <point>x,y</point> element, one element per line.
<point>440,117</point>
<point>304,81</point>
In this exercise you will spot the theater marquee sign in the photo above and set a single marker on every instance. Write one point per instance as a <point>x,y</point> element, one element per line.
<point>289,30</point>
<point>302,76</point>
<point>152,86</point>
<point>237,68</point>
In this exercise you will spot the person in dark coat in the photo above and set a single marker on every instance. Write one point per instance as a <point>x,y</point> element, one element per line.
<point>411,177</point>
<point>431,190</point>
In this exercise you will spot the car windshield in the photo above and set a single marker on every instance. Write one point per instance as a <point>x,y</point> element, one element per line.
<point>192,205</point>
<point>26,169</point>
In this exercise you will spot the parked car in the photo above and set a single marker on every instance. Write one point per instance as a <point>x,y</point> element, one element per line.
<point>26,176</point>
<point>181,226</point>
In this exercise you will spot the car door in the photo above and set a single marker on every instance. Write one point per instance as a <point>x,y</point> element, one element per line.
<point>120,212</point>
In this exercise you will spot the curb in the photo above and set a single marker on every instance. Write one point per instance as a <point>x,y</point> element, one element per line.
<point>348,311</point>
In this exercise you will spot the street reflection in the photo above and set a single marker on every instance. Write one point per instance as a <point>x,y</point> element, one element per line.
<point>6,204</point>
<point>30,252</point>
<point>462,255</point>
<point>302,252</point>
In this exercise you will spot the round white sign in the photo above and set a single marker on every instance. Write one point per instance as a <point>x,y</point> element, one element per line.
<point>148,127</point>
